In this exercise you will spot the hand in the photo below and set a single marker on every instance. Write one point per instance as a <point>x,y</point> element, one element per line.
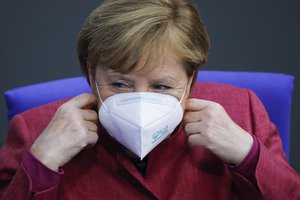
<point>72,128</point>
<point>207,124</point>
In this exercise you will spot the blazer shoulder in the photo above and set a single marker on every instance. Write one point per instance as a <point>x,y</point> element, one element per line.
<point>238,102</point>
<point>219,92</point>
<point>38,116</point>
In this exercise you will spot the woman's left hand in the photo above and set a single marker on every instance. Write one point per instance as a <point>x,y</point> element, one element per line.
<point>207,124</point>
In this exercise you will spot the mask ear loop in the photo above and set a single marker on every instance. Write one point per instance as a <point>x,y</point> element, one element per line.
<point>190,82</point>
<point>184,92</point>
<point>182,96</point>
<point>98,93</point>
<point>181,99</point>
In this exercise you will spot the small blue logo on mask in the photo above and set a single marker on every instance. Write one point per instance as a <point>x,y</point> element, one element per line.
<point>159,133</point>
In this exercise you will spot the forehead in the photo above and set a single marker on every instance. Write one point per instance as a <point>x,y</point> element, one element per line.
<point>167,66</point>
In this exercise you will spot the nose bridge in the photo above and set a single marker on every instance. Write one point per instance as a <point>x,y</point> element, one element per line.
<point>141,84</point>
<point>141,88</point>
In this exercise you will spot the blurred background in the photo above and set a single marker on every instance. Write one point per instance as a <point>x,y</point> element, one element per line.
<point>38,44</point>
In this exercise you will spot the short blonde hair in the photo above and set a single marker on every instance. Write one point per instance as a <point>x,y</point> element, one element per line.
<point>120,32</point>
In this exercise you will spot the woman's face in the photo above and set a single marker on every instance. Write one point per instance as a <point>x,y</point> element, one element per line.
<point>169,78</point>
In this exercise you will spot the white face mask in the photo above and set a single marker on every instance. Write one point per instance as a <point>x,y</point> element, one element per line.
<point>140,120</point>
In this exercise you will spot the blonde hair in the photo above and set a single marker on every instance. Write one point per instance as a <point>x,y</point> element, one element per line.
<point>120,32</point>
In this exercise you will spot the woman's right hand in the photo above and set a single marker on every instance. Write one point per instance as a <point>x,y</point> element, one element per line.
<point>73,127</point>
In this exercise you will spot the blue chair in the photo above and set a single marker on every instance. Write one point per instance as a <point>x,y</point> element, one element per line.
<point>274,90</point>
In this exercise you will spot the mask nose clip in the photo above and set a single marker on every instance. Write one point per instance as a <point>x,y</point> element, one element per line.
<point>102,102</point>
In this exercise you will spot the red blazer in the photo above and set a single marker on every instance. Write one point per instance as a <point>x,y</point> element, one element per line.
<point>174,170</point>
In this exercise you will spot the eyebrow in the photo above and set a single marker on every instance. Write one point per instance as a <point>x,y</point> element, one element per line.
<point>163,80</point>
<point>119,77</point>
<point>115,74</point>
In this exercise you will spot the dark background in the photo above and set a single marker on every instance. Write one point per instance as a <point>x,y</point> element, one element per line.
<point>38,42</point>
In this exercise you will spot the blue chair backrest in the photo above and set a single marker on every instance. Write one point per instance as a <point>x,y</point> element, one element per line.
<point>273,89</point>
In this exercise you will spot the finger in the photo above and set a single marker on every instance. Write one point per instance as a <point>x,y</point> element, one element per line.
<point>92,138</point>
<point>89,115</point>
<point>192,128</point>
<point>192,116</point>
<point>83,100</point>
<point>196,140</point>
<point>196,104</point>
<point>91,126</point>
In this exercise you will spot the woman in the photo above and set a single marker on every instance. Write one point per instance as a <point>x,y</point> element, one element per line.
<point>160,136</point>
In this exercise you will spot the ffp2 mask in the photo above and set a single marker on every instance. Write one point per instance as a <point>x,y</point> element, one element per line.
<point>140,120</point>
